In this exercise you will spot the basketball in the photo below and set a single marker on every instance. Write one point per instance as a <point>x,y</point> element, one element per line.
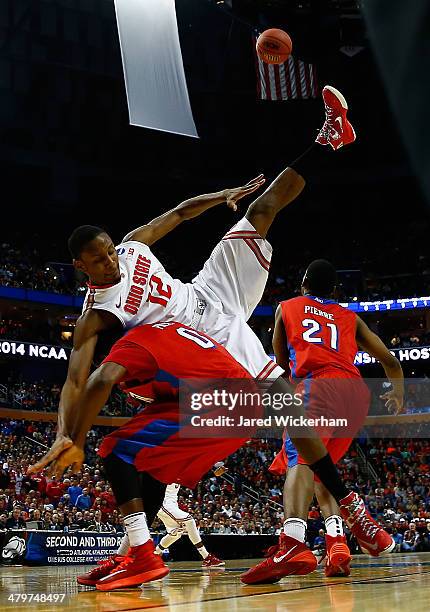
<point>274,46</point>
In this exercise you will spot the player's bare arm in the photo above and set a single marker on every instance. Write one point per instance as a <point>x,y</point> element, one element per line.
<point>368,341</point>
<point>96,392</point>
<point>88,326</point>
<point>165,223</point>
<point>279,341</point>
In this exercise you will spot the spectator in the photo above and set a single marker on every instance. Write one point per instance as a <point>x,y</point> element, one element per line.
<point>83,501</point>
<point>74,491</point>
<point>319,542</point>
<point>15,520</point>
<point>3,521</point>
<point>410,538</point>
<point>54,491</point>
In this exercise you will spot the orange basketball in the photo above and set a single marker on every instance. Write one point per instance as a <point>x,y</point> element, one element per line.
<point>274,46</point>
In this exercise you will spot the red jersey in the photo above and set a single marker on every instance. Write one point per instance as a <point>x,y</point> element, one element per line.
<point>157,440</point>
<point>320,336</point>
<point>161,354</point>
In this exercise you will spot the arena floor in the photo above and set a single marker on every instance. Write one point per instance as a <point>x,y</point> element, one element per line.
<point>398,582</point>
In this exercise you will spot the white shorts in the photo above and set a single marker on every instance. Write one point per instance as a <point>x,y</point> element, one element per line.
<point>172,516</point>
<point>231,283</point>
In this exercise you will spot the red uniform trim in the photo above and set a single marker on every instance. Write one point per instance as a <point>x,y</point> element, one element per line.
<point>101,286</point>
<point>268,369</point>
<point>175,518</point>
<point>249,238</point>
<point>265,263</point>
<point>248,234</point>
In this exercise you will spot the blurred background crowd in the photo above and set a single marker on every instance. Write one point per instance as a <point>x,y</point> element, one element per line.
<point>394,479</point>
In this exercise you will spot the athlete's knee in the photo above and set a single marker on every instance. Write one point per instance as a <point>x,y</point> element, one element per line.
<point>282,192</point>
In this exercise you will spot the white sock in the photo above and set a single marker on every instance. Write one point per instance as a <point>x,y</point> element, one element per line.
<point>137,528</point>
<point>124,546</point>
<point>202,551</point>
<point>295,528</point>
<point>334,526</point>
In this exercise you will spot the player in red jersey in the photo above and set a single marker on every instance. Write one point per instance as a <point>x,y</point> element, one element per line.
<point>152,448</point>
<point>316,339</point>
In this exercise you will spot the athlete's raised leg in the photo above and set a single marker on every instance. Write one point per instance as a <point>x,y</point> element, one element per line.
<point>336,132</point>
<point>282,191</point>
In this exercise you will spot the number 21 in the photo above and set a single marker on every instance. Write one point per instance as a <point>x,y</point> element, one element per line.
<point>314,328</point>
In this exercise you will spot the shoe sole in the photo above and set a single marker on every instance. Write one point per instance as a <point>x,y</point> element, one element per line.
<point>339,565</point>
<point>295,567</point>
<point>386,551</point>
<point>340,571</point>
<point>134,581</point>
<point>84,582</point>
<point>214,566</point>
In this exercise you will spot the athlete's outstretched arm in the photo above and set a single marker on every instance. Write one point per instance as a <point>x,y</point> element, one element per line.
<point>165,223</point>
<point>279,341</point>
<point>88,326</point>
<point>372,344</point>
<point>93,397</point>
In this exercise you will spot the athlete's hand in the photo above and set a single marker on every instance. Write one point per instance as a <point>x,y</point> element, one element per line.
<point>61,444</point>
<point>234,195</point>
<point>73,456</point>
<point>393,401</point>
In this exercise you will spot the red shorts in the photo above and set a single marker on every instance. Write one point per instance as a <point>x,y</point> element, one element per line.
<point>152,442</point>
<point>329,400</point>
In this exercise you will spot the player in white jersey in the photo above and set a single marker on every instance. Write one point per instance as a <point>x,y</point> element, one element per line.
<point>177,523</point>
<point>129,286</point>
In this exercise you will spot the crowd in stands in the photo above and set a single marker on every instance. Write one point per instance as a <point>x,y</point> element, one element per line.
<point>44,397</point>
<point>25,267</point>
<point>44,331</point>
<point>400,499</point>
<point>246,500</point>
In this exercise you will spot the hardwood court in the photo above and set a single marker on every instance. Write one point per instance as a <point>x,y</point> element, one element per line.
<point>397,582</point>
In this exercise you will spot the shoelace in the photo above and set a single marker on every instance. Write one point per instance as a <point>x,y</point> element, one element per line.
<point>368,527</point>
<point>366,524</point>
<point>355,505</point>
<point>272,550</point>
<point>126,561</point>
<point>101,566</point>
<point>328,128</point>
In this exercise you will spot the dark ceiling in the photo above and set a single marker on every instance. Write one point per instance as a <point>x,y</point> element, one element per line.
<point>69,156</point>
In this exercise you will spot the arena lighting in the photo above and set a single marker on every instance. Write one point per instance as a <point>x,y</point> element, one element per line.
<point>401,304</point>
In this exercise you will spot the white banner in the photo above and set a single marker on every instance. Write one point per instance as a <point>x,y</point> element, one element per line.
<point>154,75</point>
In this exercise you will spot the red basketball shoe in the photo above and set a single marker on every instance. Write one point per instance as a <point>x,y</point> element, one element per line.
<point>338,556</point>
<point>291,557</point>
<point>372,539</point>
<point>337,130</point>
<point>212,561</point>
<point>102,569</point>
<point>140,565</point>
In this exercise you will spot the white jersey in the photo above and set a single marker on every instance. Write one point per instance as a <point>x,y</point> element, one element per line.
<point>219,301</point>
<point>146,293</point>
